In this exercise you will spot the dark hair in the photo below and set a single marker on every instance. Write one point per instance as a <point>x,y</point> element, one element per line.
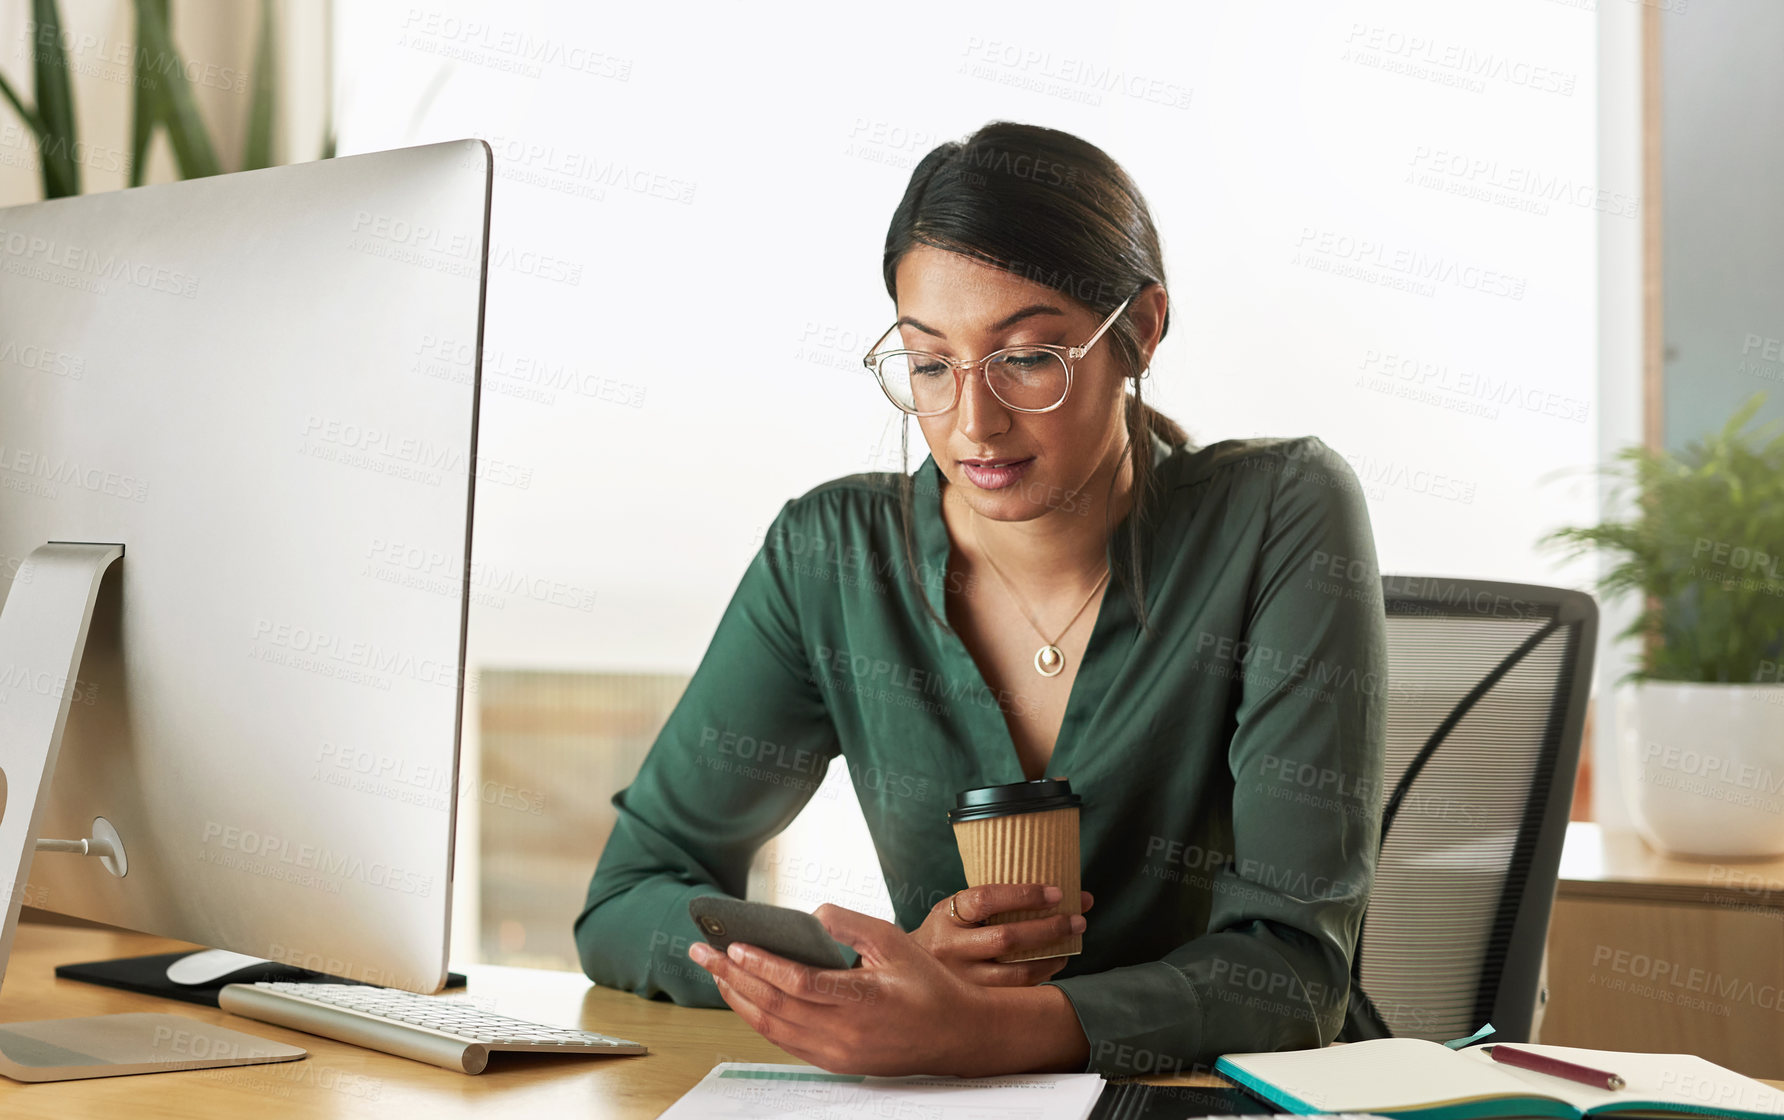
<point>1055,209</point>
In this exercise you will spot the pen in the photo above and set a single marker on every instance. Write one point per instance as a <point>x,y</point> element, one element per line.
<point>1542,1063</point>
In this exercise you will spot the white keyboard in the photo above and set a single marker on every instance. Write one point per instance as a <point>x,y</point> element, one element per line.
<point>444,1032</point>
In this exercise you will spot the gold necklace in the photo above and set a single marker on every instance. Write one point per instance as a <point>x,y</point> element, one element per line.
<point>1049,660</point>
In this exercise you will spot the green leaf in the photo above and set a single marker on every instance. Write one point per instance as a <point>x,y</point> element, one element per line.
<point>55,103</point>
<point>145,101</point>
<point>258,150</point>
<point>1701,549</point>
<point>143,114</point>
<point>178,110</point>
<point>23,110</point>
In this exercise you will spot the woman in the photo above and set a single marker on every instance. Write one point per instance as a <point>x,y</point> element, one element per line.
<point>1065,588</point>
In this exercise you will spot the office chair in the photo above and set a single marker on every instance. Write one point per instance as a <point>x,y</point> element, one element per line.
<point>1487,687</point>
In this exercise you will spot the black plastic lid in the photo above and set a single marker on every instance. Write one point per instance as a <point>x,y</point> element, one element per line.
<point>1018,797</point>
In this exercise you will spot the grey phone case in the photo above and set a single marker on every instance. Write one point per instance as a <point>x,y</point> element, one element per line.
<point>792,934</point>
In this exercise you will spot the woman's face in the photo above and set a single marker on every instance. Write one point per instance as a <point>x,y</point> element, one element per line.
<point>1009,465</point>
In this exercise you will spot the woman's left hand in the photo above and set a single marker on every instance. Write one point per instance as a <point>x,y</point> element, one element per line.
<point>899,1011</point>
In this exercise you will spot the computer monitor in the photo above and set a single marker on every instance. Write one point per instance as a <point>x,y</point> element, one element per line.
<point>261,388</point>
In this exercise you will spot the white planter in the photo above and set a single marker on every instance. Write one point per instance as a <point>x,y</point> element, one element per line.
<point>1703,767</point>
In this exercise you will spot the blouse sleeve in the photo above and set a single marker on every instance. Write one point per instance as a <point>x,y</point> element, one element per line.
<point>743,750</point>
<point>1272,972</point>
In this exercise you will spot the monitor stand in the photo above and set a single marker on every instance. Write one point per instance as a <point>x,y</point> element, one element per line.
<point>43,630</point>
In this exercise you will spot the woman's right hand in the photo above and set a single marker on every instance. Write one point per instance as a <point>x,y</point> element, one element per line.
<point>970,948</point>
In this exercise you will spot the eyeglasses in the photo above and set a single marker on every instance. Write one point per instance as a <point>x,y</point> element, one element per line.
<point>1033,378</point>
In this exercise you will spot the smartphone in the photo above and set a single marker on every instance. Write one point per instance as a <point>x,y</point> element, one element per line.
<point>792,934</point>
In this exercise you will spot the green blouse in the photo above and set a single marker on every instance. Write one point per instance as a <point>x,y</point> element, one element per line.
<point>1229,757</point>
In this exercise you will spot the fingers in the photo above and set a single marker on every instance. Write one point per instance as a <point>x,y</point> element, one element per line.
<point>872,937</point>
<point>790,1004</point>
<point>975,904</point>
<point>1086,901</point>
<point>785,989</point>
<point>764,1022</point>
<point>808,1044</point>
<point>985,942</point>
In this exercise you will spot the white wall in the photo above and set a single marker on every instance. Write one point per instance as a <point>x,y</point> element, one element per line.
<point>1381,223</point>
<point>708,191</point>
<point>1620,386</point>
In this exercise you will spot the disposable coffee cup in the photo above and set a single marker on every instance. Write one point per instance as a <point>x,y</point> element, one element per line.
<point>1024,832</point>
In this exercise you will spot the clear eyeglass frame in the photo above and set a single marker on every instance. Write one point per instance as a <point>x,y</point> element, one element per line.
<point>1069,355</point>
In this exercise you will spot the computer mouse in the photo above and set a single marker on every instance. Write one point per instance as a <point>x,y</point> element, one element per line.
<point>206,968</point>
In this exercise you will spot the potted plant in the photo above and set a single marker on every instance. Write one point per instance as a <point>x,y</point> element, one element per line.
<point>162,98</point>
<point>1703,728</point>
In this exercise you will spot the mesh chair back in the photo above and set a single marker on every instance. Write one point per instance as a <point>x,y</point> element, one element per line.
<point>1487,688</point>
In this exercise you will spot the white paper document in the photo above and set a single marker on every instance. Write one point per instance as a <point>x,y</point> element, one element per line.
<point>748,1090</point>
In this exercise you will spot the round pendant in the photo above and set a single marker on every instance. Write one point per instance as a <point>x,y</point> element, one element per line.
<point>1048,661</point>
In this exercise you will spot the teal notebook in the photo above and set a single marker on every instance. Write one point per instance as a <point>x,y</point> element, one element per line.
<point>1419,1080</point>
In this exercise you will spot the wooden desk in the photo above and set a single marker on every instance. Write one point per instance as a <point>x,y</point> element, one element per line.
<point>339,1080</point>
<point>1664,955</point>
